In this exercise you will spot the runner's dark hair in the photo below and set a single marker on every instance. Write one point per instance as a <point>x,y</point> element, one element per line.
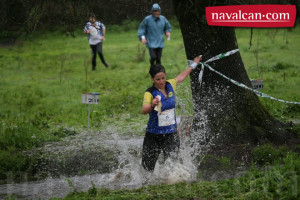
<point>92,15</point>
<point>156,68</point>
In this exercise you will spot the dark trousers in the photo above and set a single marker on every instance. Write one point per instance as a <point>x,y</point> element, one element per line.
<point>154,144</point>
<point>97,49</point>
<point>155,56</point>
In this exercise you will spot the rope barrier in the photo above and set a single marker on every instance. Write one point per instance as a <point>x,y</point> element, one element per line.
<point>223,55</point>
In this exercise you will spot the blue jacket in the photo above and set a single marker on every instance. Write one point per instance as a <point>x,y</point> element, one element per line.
<point>154,29</point>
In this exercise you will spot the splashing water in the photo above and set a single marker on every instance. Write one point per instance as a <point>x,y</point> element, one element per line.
<point>129,173</point>
<point>193,147</point>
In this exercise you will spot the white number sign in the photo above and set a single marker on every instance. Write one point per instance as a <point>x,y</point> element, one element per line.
<point>90,98</point>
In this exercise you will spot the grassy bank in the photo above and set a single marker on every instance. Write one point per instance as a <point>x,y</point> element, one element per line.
<point>42,79</point>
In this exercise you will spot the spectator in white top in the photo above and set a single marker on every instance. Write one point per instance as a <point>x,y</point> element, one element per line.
<point>96,32</point>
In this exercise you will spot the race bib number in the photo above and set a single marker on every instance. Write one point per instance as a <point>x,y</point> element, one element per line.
<point>166,118</point>
<point>94,31</point>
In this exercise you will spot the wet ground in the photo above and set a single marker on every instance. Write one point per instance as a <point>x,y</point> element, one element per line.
<point>112,161</point>
<point>95,154</point>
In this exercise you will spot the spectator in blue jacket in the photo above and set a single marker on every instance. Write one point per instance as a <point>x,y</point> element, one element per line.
<point>96,31</point>
<point>151,32</point>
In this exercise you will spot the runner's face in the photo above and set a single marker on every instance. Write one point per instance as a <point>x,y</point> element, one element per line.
<point>156,13</point>
<point>92,20</point>
<point>159,80</point>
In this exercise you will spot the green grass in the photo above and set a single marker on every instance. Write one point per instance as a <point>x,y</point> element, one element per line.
<point>42,79</point>
<point>39,86</point>
<point>47,77</point>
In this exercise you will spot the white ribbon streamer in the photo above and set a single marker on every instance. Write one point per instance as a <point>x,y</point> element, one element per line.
<point>222,55</point>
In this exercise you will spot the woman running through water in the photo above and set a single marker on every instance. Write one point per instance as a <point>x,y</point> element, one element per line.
<point>159,102</point>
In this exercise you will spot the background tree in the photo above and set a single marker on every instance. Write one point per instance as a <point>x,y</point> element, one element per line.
<point>234,117</point>
<point>26,16</point>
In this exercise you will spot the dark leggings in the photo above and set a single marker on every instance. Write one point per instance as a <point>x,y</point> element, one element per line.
<point>155,55</point>
<point>97,49</point>
<point>154,144</point>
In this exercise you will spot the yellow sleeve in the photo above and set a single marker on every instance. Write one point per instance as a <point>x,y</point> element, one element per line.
<point>147,98</point>
<point>173,82</point>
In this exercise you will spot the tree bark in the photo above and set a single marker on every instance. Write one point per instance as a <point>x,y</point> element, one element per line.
<point>230,114</point>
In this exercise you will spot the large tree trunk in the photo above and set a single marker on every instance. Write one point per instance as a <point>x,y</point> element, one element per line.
<point>231,115</point>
